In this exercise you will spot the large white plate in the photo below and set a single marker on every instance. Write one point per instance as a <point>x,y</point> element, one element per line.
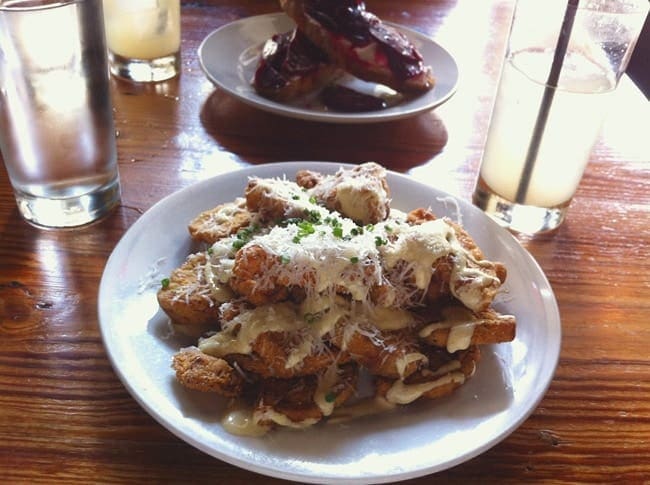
<point>229,55</point>
<point>416,440</point>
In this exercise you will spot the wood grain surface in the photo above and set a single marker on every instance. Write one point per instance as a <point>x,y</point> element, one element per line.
<point>66,418</point>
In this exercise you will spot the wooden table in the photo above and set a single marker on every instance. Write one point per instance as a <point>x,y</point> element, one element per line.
<point>65,416</point>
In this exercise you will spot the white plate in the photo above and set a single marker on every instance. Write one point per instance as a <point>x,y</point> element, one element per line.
<point>416,440</point>
<point>229,55</point>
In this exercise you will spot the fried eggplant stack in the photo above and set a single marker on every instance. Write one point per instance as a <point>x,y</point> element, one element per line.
<point>307,285</point>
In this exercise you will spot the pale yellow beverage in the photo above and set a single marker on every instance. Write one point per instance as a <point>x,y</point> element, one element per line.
<point>584,89</point>
<point>141,33</point>
<point>559,77</point>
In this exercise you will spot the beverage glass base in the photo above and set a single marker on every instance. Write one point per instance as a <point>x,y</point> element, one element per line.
<point>145,70</point>
<point>70,211</point>
<point>521,218</point>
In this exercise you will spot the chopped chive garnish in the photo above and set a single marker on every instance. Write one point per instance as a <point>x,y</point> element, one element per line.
<point>380,242</point>
<point>295,197</point>
<point>330,397</point>
<point>354,259</point>
<point>285,259</point>
<point>337,231</point>
<point>164,283</point>
<point>313,200</point>
<point>244,236</point>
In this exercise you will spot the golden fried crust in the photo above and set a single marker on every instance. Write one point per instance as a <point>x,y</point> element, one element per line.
<point>421,215</point>
<point>489,327</point>
<point>270,206</point>
<point>393,354</point>
<point>187,299</point>
<point>252,263</point>
<point>295,399</point>
<point>275,349</point>
<point>360,193</point>
<point>444,374</point>
<point>468,360</point>
<point>271,352</point>
<point>221,221</point>
<point>202,372</point>
<point>442,269</point>
<point>437,358</point>
<point>308,179</point>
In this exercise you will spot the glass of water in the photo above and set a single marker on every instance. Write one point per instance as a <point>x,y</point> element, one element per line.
<point>56,121</point>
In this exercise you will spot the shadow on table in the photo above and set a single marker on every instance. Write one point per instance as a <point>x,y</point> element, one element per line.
<point>262,137</point>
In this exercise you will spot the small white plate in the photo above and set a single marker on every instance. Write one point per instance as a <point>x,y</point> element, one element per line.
<point>413,441</point>
<point>229,56</point>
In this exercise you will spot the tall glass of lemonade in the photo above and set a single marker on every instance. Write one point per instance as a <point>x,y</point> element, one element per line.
<point>563,62</point>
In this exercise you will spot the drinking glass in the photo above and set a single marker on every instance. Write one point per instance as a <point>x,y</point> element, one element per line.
<point>56,116</point>
<point>563,62</point>
<point>144,38</point>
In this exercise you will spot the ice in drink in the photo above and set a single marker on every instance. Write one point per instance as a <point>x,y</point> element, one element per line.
<point>578,106</point>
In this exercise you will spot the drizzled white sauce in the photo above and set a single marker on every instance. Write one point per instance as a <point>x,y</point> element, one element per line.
<point>361,408</point>
<point>402,393</point>
<point>272,415</point>
<point>239,421</point>
<point>423,244</point>
<point>461,324</point>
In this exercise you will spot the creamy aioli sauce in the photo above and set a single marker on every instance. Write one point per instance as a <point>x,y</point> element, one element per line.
<point>403,362</point>
<point>361,408</point>
<point>270,414</point>
<point>423,244</point>
<point>240,422</point>
<point>460,322</point>
<point>326,383</point>
<point>402,393</point>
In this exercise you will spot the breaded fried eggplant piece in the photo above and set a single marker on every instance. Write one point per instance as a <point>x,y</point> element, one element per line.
<point>189,300</point>
<point>444,374</point>
<point>420,215</point>
<point>272,357</point>
<point>201,372</point>
<point>253,265</point>
<point>393,354</point>
<point>272,341</point>
<point>303,401</point>
<point>360,193</point>
<point>276,199</point>
<point>440,286</point>
<point>458,328</point>
<point>222,221</point>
